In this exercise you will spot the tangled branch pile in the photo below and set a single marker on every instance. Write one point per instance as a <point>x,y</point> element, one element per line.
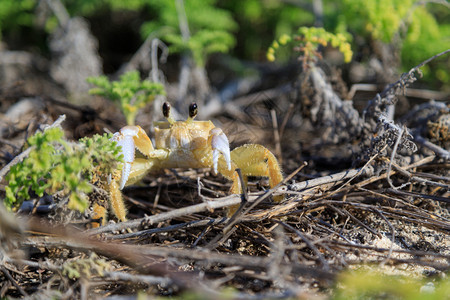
<point>388,210</point>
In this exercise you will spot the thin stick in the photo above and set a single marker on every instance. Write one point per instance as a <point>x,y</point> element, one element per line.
<point>59,11</point>
<point>429,221</point>
<point>421,180</point>
<point>191,224</point>
<point>221,238</point>
<point>202,234</point>
<point>11,279</point>
<point>276,136</point>
<point>157,196</point>
<point>15,161</point>
<point>244,201</point>
<point>205,206</point>
<point>429,59</point>
<point>392,235</point>
<point>308,243</point>
<point>410,252</point>
<point>416,93</point>
<point>157,44</point>
<point>394,151</point>
<point>139,279</point>
<point>401,81</point>
<point>445,154</point>
<point>371,179</point>
<point>264,196</point>
<point>286,119</point>
<point>345,212</point>
<point>417,195</point>
<point>243,185</point>
<point>185,35</point>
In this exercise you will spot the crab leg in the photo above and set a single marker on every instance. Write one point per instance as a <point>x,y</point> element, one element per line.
<point>253,160</point>
<point>256,160</point>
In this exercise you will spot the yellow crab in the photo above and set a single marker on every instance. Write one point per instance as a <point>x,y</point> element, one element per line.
<point>185,144</point>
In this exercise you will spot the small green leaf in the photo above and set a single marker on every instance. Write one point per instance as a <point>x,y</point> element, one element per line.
<point>129,93</point>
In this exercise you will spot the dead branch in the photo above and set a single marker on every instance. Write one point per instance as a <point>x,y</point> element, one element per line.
<point>445,154</point>
<point>206,206</point>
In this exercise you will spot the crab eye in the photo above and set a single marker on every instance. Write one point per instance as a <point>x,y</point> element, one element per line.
<point>166,109</point>
<point>193,110</point>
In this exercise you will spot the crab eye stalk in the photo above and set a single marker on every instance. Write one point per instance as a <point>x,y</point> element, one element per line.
<point>193,109</point>
<point>166,112</point>
<point>166,109</point>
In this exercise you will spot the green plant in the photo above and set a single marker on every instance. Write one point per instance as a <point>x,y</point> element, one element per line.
<point>260,21</point>
<point>424,38</point>
<point>130,93</point>
<point>308,41</point>
<point>89,7</point>
<point>210,27</point>
<point>381,19</point>
<point>363,284</point>
<point>420,29</point>
<point>15,13</point>
<point>56,165</point>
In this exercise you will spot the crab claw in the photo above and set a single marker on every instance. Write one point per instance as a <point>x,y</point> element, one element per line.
<point>220,144</point>
<point>125,139</point>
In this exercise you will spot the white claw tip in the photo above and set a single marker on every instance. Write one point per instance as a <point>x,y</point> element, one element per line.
<point>124,138</point>
<point>220,144</point>
<point>126,169</point>
<point>215,160</point>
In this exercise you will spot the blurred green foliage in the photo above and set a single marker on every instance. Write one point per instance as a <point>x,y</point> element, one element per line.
<point>15,14</point>
<point>307,42</point>
<point>420,28</point>
<point>426,37</point>
<point>55,165</point>
<point>210,28</point>
<point>372,284</point>
<point>380,19</point>
<point>130,92</point>
<point>262,21</point>
<point>89,7</point>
